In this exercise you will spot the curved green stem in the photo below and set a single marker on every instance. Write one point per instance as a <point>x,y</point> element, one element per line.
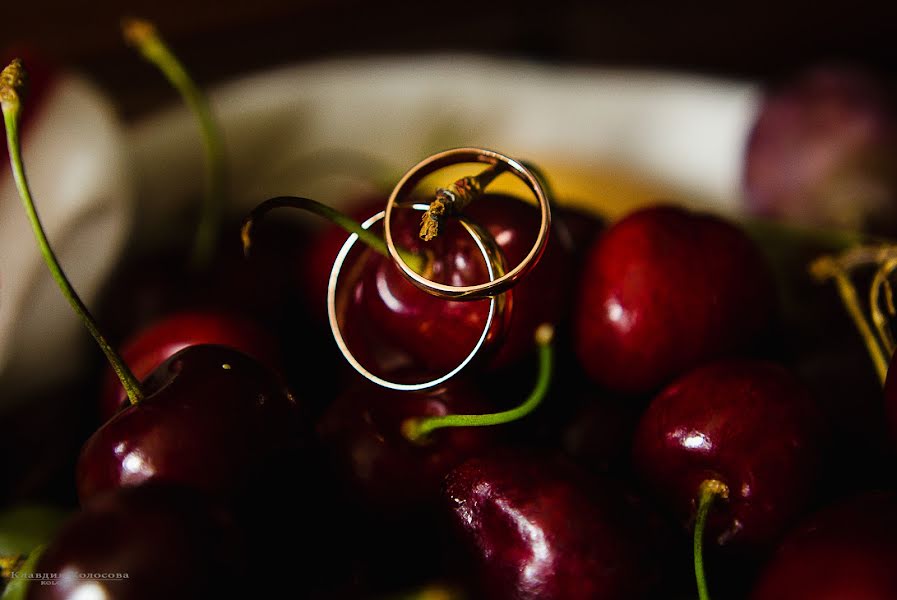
<point>145,38</point>
<point>10,563</point>
<point>416,429</point>
<point>12,81</point>
<point>371,239</point>
<point>710,490</point>
<point>17,586</point>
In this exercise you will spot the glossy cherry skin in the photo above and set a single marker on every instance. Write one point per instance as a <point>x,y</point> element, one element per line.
<point>362,434</point>
<point>749,424</point>
<point>541,529</point>
<point>844,552</point>
<point>167,336</point>
<point>210,417</point>
<point>543,295</point>
<point>437,334</point>
<point>314,269</point>
<point>169,542</point>
<point>664,290</point>
<point>389,487</point>
<point>434,335</point>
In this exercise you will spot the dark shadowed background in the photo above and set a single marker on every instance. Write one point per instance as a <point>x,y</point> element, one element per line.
<point>758,39</point>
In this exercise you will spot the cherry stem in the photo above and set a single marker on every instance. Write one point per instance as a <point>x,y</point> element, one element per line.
<point>881,287</point>
<point>10,564</point>
<point>837,268</point>
<point>12,83</point>
<point>143,36</point>
<point>368,237</point>
<point>858,256</point>
<point>417,429</point>
<point>15,571</point>
<point>452,200</point>
<point>709,491</point>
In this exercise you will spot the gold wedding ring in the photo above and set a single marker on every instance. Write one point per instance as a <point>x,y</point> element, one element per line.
<point>495,286</point>
<point>495,269</point>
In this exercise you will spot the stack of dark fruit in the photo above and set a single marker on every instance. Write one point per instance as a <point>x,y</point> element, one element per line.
<point>667,422</point>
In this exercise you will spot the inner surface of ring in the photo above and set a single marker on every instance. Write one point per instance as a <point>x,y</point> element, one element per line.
<point>398,336</point>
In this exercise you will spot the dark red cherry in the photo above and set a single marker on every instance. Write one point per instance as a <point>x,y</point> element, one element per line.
<point>665,290</point>
<point>435,335</point>
<point>843,552</point>
<point>210,417</point>
<point>314,269</point>
<point>389,485</point>
<point>164,338</point>
<point>542,529</point>
<point>146,542</point>
<point>543,295</point>
<point>306,324</point>
<point>362,434</point>
<point>748,424</point>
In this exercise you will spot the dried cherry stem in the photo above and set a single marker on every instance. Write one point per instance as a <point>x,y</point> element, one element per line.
<point>881,287</point>
<point>861,256</point>
<point>12,83</point>
<point>452,200</point>
<point>417,429</point>
<point>143,36</point>
<point>371,239</point>
<point>709,491</point>
<point>838,268</point>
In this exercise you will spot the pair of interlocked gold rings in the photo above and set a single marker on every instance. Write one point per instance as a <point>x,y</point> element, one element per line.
<point>499,280</point>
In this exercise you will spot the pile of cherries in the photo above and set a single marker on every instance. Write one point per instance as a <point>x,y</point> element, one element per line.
<point>644,401</point>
